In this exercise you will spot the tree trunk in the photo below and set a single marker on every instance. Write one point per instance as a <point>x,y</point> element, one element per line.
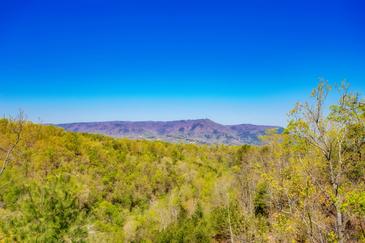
<point>339,222</point>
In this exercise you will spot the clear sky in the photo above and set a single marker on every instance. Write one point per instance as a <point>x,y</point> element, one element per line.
<point>230,61</point>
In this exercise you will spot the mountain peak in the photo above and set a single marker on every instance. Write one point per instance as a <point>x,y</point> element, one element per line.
<point>202,131</point>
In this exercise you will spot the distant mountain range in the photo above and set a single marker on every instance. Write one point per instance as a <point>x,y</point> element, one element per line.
<point>200,131</point>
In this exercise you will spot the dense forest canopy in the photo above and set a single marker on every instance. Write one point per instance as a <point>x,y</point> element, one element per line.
<point>304,185</point>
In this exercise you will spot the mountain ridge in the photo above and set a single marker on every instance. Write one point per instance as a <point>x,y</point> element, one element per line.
<point>200,131</point>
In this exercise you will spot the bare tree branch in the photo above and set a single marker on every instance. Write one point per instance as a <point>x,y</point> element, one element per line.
<point>18,129</point>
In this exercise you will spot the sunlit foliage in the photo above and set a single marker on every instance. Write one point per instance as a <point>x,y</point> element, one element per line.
<point>304,185</point>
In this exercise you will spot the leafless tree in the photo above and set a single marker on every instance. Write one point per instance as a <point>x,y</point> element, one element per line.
<point>16,127</point>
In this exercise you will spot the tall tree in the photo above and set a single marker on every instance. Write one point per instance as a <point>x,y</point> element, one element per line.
<point>330,135</point>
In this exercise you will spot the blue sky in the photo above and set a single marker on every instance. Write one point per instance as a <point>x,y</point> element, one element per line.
<point>230,61</point>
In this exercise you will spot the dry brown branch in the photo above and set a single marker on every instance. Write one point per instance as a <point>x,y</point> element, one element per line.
<point>17,129</point>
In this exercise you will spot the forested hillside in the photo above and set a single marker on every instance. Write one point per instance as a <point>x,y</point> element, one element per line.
<point>305,185</point>
<point>200,131</point>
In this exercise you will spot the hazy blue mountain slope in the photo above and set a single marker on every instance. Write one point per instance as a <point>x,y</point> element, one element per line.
<point>202,131</point>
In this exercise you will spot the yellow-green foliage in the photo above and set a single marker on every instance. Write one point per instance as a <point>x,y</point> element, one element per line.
<point>305,185</point>
<point>65,186</point>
